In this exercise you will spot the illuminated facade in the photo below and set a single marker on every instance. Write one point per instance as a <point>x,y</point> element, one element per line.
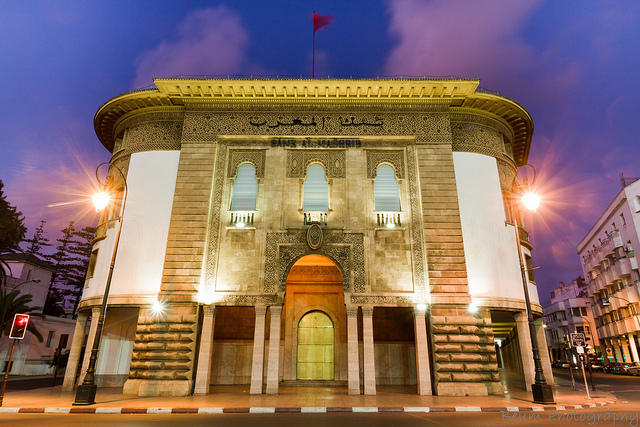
<point>355,232</point>
<point>607,254</point>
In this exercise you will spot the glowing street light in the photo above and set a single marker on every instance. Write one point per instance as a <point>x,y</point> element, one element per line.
<point>101,200</point>
<point>86,392</point>
<point>542,392</point>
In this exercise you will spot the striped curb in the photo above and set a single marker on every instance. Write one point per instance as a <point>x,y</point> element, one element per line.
<point>296,410</point>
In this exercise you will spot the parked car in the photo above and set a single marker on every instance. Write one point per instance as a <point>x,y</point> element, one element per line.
<point>620,368</point>
<point>559,364</point>
<point>612,368</point>
<point>597,366</point>
<point>634,368</point>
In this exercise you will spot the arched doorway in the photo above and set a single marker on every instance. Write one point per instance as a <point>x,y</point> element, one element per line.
<point>314,321</point>
<point>315,347</point>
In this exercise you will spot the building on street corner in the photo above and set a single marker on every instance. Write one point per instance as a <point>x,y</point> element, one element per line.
<point>611,271</point>
<point>570,312</point>
<point>355,233</point>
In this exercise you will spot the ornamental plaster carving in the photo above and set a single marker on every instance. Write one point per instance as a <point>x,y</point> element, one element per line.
<point>376,157</point>
<point>474,138</point>
<point>283,249</point>
<point>384,300</point>
<point>237,157</point>
<point>333,161</point>
<point>417,238</point>
<point>206,125</point>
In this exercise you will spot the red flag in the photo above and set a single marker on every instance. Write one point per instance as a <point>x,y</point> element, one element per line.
<point>320,21</point>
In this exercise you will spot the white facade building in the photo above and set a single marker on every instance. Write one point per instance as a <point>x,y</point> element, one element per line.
<point>569,312</point>
<point>30,356</point>
<point>610,265</point>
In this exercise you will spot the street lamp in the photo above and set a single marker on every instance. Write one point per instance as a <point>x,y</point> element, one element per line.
<point>542,392</point>
<point>86,393</point>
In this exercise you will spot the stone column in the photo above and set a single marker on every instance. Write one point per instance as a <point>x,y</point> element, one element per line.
<point>74,356</point>
<point>273,363</point>
<point>203,370</point>
<point>545,361</point>
<point>526,353</point>
<point>625,350</point>
<point>352,351</point>
<point>369,351</point>
<point>616,350</point>
<point>93,328</point>
<point>257,366</point>
<point>632,345</point>
<point>423,370</point>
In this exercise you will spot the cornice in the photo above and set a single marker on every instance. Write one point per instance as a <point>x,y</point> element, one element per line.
<point>318,94</point>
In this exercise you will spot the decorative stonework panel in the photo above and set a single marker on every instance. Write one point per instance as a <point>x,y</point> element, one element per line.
<point>384,300</point>
<point>376,157</point>
<point>466,118</point>
<point>470,137</point>
<point>507,174</point>
<point>214,220</point>
<point>237,157</point>
<point>417,237</point>
<point>285,248</point>
<point>205,125</point>
<point>333,161</point>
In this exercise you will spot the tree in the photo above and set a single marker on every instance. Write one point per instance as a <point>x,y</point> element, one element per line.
<point>12,231</point>
<point>13,302</point>
<point>70,260</point>
<point>38,242</point>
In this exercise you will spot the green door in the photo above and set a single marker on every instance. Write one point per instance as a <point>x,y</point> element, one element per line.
<point>315,347</point>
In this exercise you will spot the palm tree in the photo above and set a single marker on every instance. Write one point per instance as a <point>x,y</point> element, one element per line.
<point>13,302</point>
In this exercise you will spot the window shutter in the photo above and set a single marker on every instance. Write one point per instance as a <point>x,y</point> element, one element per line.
<point>245,189</point>
<point>386,190</point>
<point>315,189</point>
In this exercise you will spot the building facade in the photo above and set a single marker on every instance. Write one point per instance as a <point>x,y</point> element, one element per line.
<point>611,270</point>
<point>356,232</point>
<point>570,312</point>
<point>31,275</point>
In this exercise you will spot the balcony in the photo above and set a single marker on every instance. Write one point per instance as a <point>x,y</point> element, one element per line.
<point>388,219</point>
<point>315,217</point>
<point>241,218</point>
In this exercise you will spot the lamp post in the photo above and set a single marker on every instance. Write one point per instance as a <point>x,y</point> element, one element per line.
<point>542,392</point>
<point>86,392</point>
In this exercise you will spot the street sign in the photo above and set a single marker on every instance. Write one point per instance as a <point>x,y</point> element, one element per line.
<point>609,352</point>
<point>581,357</point>
<point>578,339</point>
<point>580,350</point>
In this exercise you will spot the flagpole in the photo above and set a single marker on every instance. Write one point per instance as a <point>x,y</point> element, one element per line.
<point>313,54</point>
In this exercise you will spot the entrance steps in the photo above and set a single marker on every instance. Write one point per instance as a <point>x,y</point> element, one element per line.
<point>313,383</point>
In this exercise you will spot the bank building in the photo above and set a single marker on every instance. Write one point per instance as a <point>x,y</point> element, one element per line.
<point>351,233</point>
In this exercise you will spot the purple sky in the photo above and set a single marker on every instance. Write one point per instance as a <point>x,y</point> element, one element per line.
<point>574,65</point>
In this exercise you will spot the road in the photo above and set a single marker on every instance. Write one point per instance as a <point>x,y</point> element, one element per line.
<point>603,416</point>
<point>624,387</point>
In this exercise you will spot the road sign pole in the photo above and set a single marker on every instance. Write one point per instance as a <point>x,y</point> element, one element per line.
<point>6,375</point>
<point>586,386</point>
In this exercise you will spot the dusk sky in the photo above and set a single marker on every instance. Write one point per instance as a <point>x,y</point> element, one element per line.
<point>574,65</point>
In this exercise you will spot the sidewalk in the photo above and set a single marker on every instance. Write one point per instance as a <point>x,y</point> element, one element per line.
<point>236,399</point>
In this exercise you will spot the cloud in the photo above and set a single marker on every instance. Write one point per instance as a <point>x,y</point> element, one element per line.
<point>209,42</point>
<point>475,39</point>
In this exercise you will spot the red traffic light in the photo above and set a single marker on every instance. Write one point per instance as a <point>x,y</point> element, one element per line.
<point>19,326</point>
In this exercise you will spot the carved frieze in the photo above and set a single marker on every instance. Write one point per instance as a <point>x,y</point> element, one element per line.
<point>237,157</point>
<point>333,161</point>
<point>393,157</point>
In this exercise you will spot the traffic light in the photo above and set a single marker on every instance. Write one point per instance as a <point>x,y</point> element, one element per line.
<point>19,326</point>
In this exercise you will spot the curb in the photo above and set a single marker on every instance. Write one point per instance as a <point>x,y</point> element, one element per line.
<point>296,410</point>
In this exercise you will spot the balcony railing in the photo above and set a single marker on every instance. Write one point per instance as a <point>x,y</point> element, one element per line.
<point>315,217</point>
<point>388,219</point>
<point>241,218</point>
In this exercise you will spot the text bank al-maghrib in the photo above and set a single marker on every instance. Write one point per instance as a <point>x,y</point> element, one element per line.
<point>620,418</point>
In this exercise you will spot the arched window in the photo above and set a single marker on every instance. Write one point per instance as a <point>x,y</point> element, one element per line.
<point>315,190</point>
<point>245,189</point>
<point>385,189</point>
